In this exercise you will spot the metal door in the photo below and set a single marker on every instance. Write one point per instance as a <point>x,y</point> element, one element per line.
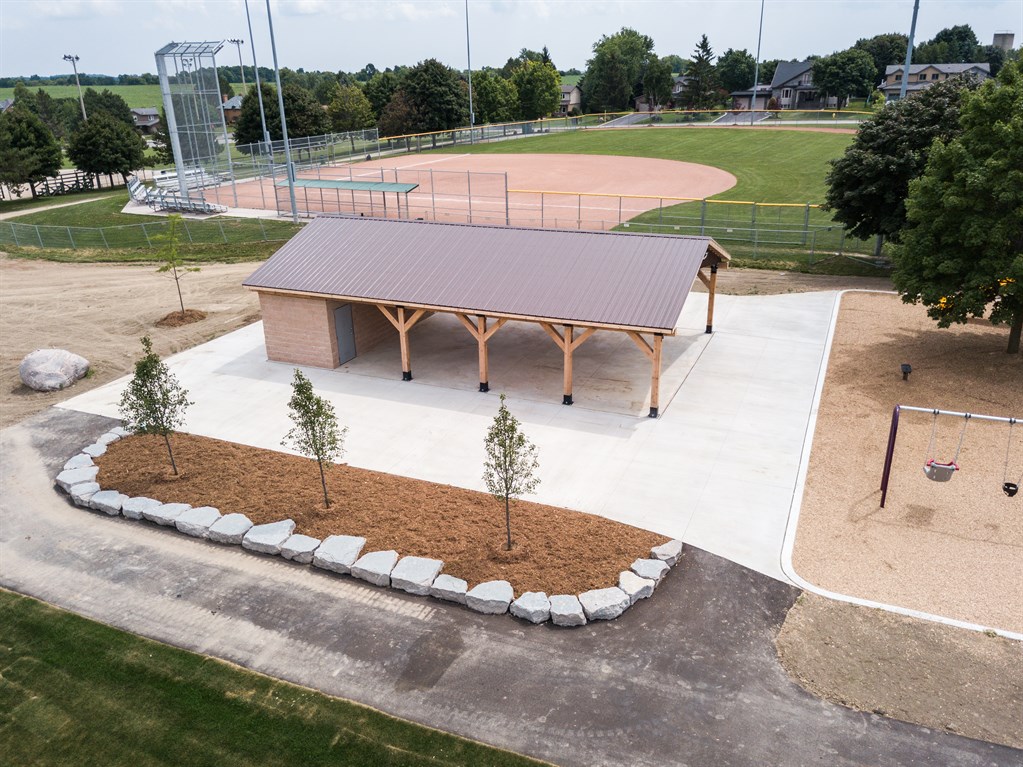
<point>345,331</point>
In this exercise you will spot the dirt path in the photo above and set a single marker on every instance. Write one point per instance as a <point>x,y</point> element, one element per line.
<point>100,311</point>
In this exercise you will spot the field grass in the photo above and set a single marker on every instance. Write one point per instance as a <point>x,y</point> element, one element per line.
<point>27,203</point>
<point>76,692</point>
<point>134,95</point>
<point>571,79</point>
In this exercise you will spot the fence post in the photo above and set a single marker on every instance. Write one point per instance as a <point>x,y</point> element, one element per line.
<point>806,222</point>
<point>579,213</point>
<point>507,206</point>
<point>468,184</point>
<point>841,242</point>
<point>14,232</point>
<point>104,236</point>
<point>221,225</point>
<point>184,223</point>
<point>703,216</point>
<point>262,229</point>
<point>71,238</point>
<point>39,236</point>
<point>145,234</point>
<point>660,213</point>
<point>813,247</point>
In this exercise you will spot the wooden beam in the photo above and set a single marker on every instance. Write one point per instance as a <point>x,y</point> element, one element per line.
<point>387,313</point>
<point>554,334</point>
<point>703,278</point>
<point>655,376</point>
<point>468,325</point>
<point>712,290</point>
<point>641,343</point>
<point>481,336</point>
<point>418,315</point>
<point>497,326</point>
<point>568,346</point>
<point>406,356</point>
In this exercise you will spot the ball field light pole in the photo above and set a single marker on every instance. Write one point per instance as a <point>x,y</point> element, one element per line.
<point>909,51</point>
<point>756,67</point>
<point>74,64</point>
<point>237,42</point>
<point>468,59</point>
<point>259,91</point>
<point>284,123</point>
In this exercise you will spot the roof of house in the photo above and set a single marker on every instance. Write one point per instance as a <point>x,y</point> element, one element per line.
<point>949,69</point>
<point>761,90</point>
<point>145,111</point>
<point>6,104</point>
<point>567,89</point>
<point>789,70</point>
<point>235,102</point>
<point>635,281</point>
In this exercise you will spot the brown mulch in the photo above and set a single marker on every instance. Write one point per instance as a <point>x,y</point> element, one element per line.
<point>555,550</point>
<point>177,319</point>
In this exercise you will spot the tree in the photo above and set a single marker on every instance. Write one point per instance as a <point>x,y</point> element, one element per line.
<point>171,257</point>
<point>884,50</point>
<point>398,118</point>
<point>349,109</point>
<point>735,70</point>
<point>539,89</point>
<point>104,144</point>
<point>657,81</point>
<point>494,99</point>
<point>316,433</point>
<point>616,69</point>
<point>28,151</point>
<point>961,254</point>
<point>844,74</point>
<point>437,96</point>
<point>961,41</point>
<point>154,402</point>
<point>701,91</point>
<point>508,470</point>
<point>766,74</point>
<point>868,185</point>
<point>676,62</point>
<point>305,116</point>
<point>109,103</point>
<point>379,90</point>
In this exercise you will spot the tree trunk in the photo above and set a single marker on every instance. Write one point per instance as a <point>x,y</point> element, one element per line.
<point>170,452</point>
<point>323,481</point>
<point>1015,331</point>
<point>507,521</point>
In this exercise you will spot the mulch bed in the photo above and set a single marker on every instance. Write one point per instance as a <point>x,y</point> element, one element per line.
<point>177,319</point>
<point>555,550</point>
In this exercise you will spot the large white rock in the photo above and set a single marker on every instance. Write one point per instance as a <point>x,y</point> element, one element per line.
<point>94,450</point>
<point>299,548</point>
<point>375,567</point>
<point>196,522</point>
<point>230,528</point>
<point>70,477</point>
<point>491,597</point>
<point>415,574</point>
<point>82,493</point>
<point>604,604</point>
<point>120,431</point>
<point>134,508</point>
<point>533,606</point>
<point>52,369</point>
<point>651,569</point>
<point>108,501</point>
<point>637,588</point>
<point>78,461</point>
<point>449,588</point>
<point>669,552</point>
<point>338,553</point>
<point>567,610</point>
<point>166,513</point>
<point>268,539</point>
<point>108,439</point>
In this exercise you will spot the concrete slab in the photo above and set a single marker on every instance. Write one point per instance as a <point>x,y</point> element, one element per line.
<point>716,470</point>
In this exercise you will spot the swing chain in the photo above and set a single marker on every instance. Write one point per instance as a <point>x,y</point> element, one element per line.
<point>1010,488</point>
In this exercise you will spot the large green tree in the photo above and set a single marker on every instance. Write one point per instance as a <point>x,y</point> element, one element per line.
<point>735,70</point>
<point>884,49</point>
<point>304,113</point>
<point>380,88</point>
<point>349,109</point>
<point>701,90</point>
<point>108,102</point>
<point>844,74</point>
<point>104,144</point>
<point>961,254</point>
<point>494,99</point>
<point>614,76</point>
<point>28,150</point>
<point>305,116</point>
<point>657,81</point>
<point>437,95</point>
<point>868,185</point>
<point>952,45</point>
<point>539,89</point>
<point>399,117</point>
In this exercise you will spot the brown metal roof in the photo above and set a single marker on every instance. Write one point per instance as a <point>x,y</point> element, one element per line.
<point>572,277</point>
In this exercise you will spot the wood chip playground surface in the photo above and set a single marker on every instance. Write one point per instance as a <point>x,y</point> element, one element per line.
<point>954,549</point>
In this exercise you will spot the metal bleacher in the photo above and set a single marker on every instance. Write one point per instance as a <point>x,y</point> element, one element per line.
<point>160,199</point>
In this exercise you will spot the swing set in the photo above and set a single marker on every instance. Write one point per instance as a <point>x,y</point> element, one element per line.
<point>943,471</point>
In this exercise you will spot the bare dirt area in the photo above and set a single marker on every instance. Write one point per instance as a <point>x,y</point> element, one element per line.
<point>100,311</point>
<point>953,548</point>
<point>965,682</point>
<point>553,549</point>
<point>764,282</point>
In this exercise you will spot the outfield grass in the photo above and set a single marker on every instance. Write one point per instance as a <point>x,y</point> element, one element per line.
<point>134,95</point>
<point>76,692</point>
<point>27,202</point>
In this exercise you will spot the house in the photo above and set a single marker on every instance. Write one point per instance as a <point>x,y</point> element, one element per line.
<point>741,99</point>
<point>571,98</point>
<point>925,75</point>
<point>5,104</point>
<point>793,88</point>
<point>681,82</point>
<point>146,119</point>
<point>232,109</point>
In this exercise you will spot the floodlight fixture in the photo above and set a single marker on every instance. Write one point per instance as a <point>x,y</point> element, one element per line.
<point>237,42</point>
<point>74,65</point>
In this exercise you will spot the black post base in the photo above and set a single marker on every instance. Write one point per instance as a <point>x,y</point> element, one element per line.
<point>653,412</point>
<point>710,328</point>
<point>484,386</point>
<point>566,400</point>
<point>406,375</point>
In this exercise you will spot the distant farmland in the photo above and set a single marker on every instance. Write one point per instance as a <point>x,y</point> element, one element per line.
<point>135,95</point>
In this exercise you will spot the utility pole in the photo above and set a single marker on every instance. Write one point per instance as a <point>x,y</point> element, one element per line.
<point>468,59</point>
<point>74,64</point>
<point>909,52</point>
<point>284,122</point>
<point>238,43</point>
<point>756,67</point>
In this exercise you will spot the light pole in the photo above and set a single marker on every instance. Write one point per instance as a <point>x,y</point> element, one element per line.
<point>909,52</point>
<point>238,43</point>
<point>468,59</point>
<point>756,67</point>
<point>259,91</point>
<point>74,64</point>
<point>284,122</point>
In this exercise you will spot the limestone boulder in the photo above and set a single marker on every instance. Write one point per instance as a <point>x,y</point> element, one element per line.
<point>299,548</point>
<point>166,513</point>
<point>415,574</point>
<point>196,522</point>
<point>533,606</point>
<point>637,588</point>
<point>108,438</point>
<point>230,528</point>
<point>375,567</point>
<point>134,508</point>
<point>567,610</point>
<point>79,461</point>
<point>651,569</point>
<point>449,588</point>
<point>338,553</point>
<point>70,477</point>
<point>604,604</point>
<point>669,553</point>
<point>491,597</point>
<point>82,493</point>
<point>52,369</point>
<point>268,539</point>
<point>108,501</point>
<point>94,450</point>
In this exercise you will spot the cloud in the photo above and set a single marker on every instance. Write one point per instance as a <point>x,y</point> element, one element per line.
<point>76,9</point>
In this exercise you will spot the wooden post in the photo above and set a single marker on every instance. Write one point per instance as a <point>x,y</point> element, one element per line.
<point>655,376</point>
<point>712,289</point>
<point>406,357</point>
<point>568,347</point>
<point>481,330</point>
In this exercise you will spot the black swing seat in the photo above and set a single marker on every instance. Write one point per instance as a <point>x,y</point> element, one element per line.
<point>940,472</point>
<point>1010,488</point>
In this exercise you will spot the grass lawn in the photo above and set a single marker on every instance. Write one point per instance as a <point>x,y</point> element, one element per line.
<point>134,95</point>
<point>76,692</point>
<point>27,202</point>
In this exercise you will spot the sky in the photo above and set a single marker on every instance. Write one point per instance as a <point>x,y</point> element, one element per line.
<point>120,36</point>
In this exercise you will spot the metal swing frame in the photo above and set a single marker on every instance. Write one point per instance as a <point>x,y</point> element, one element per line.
<point>893,432</point>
